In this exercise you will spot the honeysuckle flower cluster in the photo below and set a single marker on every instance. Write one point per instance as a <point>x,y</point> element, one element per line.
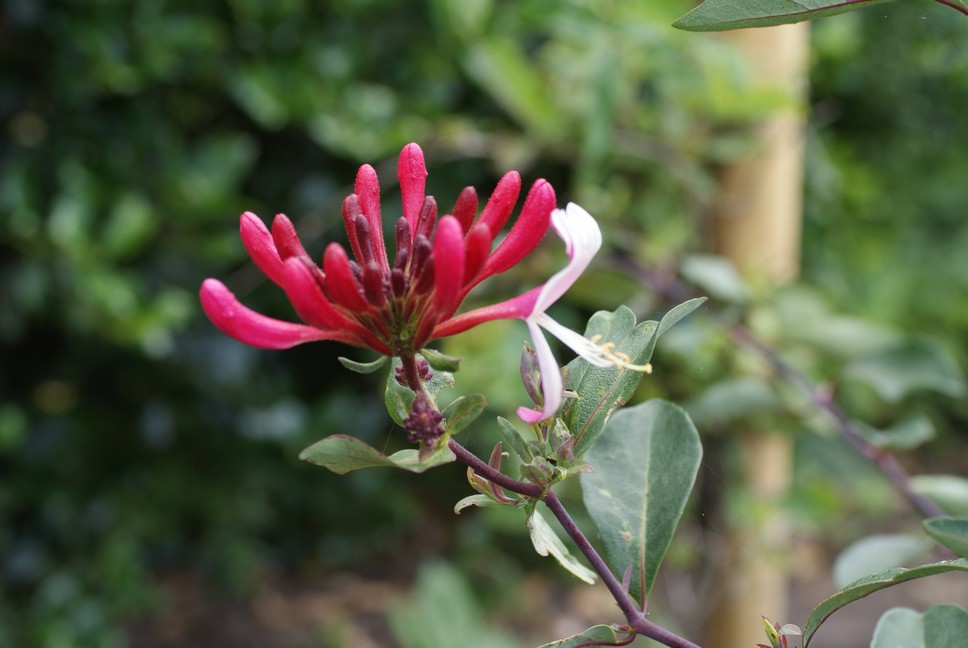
<point>397,304</point>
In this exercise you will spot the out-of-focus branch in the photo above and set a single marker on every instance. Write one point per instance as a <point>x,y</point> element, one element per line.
<point>674,289</point>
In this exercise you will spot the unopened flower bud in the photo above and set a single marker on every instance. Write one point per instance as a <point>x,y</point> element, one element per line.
<point>530,375</point>
<point>424,422</point>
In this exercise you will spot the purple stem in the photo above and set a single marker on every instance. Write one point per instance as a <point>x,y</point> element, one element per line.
<point>633,615</point>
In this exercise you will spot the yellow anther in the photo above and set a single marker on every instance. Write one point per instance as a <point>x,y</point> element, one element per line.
<point>619,358</point>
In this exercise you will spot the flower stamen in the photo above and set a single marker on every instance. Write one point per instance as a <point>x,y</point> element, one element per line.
<point>618,358</point>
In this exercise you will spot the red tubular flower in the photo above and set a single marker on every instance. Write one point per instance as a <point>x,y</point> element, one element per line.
<point>395,304</point>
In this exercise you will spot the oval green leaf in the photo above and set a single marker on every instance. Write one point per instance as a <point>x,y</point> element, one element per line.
<point>342,453</point>
<point>644,469</point>
<point>723,15</point>
<point>941,626</point>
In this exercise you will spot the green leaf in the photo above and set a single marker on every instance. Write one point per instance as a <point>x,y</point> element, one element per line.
<point>904,435</point>
<point>341,454</point>
<point>644,468</point>
<point>941,626</point>
<point>594,636</point>
<point>945,626</point>
<point>723,15</point>
<point>949,532</point>
<point>899,627</point>
<point>733,399</point>
<point>602,390</point>
<point>873,583</point>
<point>950,492</point>
<point>442,606</point>
<point>912,365</point>
<point>440,361</point>
<point>513,438</point>
<point>483,501</point>
<point>876,553</point>
<point>463,411</point>
<point>363,367</point>
<point>546,542</point>
<point>674,315</point>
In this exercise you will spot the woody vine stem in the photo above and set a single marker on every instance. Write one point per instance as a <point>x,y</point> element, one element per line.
<point>638,623</point>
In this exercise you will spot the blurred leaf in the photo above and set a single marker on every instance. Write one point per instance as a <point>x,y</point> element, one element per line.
<point>546,542</point>
<point>950,492</point>
<point>731,399</point>
<point>870,584</point>
<point>899,627</point>
<point>644,469</point>
<point>465,19</point>
<point>723,15</point>
<point>913,365</point>
<point>594,636</point>
<point>903,435</point>
<point>949,532</point>
<point>342,454</point>
<point>441,608</point>
<point>715,275</point>
<point>130,226</point>
<point>940,626</point>
<point>501,68</point>
<point>877,553</point>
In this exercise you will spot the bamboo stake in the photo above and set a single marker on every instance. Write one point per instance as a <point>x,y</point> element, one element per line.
<point>757,226</point>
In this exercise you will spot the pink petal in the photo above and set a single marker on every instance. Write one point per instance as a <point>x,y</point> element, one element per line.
<point>307,297</point>
<point>519,307</point>
<point>261,247</point>
<point>341,285</point>
<point>527,232</point>
<point>286,239</point>
<point>448,265</point>
<point>412,173</point>
<point>249,327</point>
<point>351,209</point>
<point>551,384</point>
<point>465,209</point>
<point>582,239</point>
<point>499,206</point>
<point>478,245</point>
<point>368,189</point>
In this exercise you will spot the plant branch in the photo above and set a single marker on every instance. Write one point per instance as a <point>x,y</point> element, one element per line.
<point>633,615</point>
<point>673,288</point>
<point>471,460</point>
<point>636,619</point>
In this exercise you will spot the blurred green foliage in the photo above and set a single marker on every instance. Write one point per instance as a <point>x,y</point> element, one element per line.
<point>137,440</point>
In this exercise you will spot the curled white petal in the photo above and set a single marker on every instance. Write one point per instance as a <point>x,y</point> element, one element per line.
<point>582,238</point>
